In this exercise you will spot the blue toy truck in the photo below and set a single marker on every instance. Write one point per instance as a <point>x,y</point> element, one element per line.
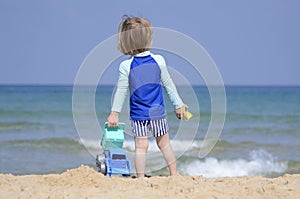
<point>114,159</point>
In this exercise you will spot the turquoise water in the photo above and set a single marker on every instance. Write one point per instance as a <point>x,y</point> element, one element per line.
<point>261,135</point>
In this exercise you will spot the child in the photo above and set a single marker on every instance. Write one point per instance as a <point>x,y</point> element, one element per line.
<point>142,75</point>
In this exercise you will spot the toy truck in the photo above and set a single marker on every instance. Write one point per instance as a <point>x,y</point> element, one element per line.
<point>114,159</point>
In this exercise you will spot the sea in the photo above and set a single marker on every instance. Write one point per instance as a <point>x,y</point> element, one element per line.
<point>260,135</point>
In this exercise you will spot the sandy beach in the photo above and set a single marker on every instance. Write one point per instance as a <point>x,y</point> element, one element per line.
<point>85,182</point>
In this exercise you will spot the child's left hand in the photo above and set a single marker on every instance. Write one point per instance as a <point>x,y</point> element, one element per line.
<point>180,112</point>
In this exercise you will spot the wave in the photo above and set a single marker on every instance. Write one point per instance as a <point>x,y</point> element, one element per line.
<point>260,162</point>
<point>64,143</point>
<point>177,145</point>
<point>186,145</point>
<point>15,125</point>
<point>22,125</point>
<point>226,159</point>
<point>90,144</point>
<point>57,112</point>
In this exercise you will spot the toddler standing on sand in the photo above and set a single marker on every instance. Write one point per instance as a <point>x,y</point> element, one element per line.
<point>142,75</point>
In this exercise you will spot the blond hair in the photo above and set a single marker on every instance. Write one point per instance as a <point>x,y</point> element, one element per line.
<point>135,35</point>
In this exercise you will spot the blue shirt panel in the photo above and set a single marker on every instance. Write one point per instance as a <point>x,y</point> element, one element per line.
<point>146,99</point>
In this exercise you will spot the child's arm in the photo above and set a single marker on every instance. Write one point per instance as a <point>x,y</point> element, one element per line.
<point>170,87</point>
<point>121,93</point>
<point>180,107</point>
<point>119,97</point>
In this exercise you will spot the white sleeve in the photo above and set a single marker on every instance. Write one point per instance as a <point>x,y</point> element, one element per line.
<point>169,84</point>
<point>122,89</point>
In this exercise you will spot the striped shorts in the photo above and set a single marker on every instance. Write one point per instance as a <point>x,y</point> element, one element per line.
<point>156,127</point>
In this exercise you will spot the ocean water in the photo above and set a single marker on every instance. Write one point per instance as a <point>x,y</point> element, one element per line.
<point>261,135</point>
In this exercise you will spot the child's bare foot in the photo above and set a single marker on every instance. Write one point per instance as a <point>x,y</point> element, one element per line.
<point>176,174</point>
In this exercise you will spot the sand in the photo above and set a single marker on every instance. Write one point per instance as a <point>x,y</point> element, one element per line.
<point>85,182</point>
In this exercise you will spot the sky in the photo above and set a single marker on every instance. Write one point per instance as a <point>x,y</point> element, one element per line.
<point>251,42</point>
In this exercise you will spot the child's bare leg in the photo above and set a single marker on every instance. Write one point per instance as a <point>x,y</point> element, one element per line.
<point>163,142</point>
<point>141,147</point>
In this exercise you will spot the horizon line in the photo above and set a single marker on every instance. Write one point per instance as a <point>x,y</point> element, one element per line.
<point>201,85</point>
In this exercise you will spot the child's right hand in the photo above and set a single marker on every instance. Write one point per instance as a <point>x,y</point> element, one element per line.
<point>113,119</point>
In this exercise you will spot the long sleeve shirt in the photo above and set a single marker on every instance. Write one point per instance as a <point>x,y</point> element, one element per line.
<point>123,82</point>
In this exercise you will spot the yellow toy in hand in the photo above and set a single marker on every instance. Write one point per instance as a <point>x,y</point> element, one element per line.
<point>188,115</point>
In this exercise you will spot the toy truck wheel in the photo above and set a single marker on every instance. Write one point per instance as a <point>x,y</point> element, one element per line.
<point>102,168</point>
<point>99,159</point>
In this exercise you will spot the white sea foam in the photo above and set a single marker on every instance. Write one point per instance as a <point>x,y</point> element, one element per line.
<point>90,144</point>
<point>177,145</point>
<point>260,162</point>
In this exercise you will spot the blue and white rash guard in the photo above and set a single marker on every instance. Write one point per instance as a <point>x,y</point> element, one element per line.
<point>143,75</point>
<point>146,100</point>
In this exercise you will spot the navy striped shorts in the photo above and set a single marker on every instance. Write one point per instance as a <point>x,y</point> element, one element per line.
<point>143,127</point>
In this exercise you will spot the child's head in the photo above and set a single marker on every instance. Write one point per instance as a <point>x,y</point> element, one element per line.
<point>135,35</point>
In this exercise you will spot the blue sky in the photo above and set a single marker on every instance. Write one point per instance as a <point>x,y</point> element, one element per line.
<point>252,42</point>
